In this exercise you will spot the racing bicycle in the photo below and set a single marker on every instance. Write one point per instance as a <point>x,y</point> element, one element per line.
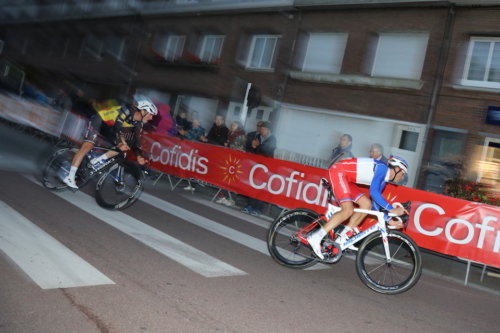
<point>387,261</point>
<point>120,181</point>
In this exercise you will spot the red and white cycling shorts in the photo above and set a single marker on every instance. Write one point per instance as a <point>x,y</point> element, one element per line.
<point>343,189</point>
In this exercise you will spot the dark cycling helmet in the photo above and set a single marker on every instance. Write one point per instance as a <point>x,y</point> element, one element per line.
<point>398,162</point>
<point>147,106</point>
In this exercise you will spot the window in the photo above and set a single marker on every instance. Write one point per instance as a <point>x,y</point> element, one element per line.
<point>170,47</point>
<point>211,49</point>
<point>262,52</point>
<point>94,45</point>
<point>400,55</point>
<point>482,67</point>
<point>115,45</point>
<point>324,52</point>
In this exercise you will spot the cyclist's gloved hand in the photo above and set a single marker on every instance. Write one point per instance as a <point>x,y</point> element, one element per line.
<point>400,210</point>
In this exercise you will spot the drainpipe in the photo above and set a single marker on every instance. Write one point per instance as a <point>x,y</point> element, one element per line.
<point>438,81</point>
<point>283,85</point>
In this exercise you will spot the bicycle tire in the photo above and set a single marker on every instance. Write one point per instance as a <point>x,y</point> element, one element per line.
<point>53,172</point>
<point>283,245</point>
<point>114,195</point>
<point>397,277</point>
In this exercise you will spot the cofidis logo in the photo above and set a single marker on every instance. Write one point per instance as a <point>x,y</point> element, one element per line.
<point>178,159</point>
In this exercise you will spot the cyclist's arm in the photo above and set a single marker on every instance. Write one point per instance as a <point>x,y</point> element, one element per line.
<point>378,185</point>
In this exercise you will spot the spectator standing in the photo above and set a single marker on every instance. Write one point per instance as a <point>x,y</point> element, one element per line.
<point>236,139</point>
<point>265,145</point>
<point>196,131</point>
<point>183,124</point>
<point>343,150</point>
<point>163,123</point>
<point>252,136</point>
<point>218,133</point>
<point>377,153</point>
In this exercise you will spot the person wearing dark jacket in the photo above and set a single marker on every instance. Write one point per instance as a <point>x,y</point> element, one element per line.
<point>264,144</point>
<point>343,150</point>
<point>218,133</point>
<point>252,136</point>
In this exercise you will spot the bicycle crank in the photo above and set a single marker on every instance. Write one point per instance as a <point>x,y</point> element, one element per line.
<point>332,252</point>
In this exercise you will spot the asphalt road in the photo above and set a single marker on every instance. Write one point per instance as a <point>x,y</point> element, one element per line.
<point>175,262</point>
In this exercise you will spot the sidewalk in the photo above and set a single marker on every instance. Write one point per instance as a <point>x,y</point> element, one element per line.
<point>437,265</point>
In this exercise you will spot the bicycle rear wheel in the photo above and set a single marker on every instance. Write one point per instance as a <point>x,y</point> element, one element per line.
<point>283,243</point>
<point>120,187</point>
<point>389,278</point>
<point>58,167</point>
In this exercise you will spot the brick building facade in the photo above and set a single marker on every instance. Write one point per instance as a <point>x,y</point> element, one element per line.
<point>389,71</point>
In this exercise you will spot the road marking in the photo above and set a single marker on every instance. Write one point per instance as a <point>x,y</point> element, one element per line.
<point>234,235</point>
<point>183,253</point>
<point>46,261</point>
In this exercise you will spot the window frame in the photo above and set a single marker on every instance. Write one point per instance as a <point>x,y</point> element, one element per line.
<point>337,35</point>
<point>374,69</point>
<point>484,83</point>
<point>212,53</point>
<point>248,64</point>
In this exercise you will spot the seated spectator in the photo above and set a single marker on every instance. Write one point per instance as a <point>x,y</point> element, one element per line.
<point>265,145</point>
<point>218,132</point>
<point>196,131</point>
<point>236,138</point>
<point>183,124</point>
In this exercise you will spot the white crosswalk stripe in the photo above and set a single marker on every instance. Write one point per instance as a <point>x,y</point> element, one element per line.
<point>81,273</point>
<point>45,260</point>
<point>171,247</point>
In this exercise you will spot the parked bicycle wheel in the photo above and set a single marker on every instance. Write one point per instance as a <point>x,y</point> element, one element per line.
<point>396,277</point>
<point>58,167</point>
<point>282,241</point>
<point>120,186</point>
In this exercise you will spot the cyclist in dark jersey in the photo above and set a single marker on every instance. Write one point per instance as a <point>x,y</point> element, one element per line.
<point>343,176</point>
<point>124,124</point>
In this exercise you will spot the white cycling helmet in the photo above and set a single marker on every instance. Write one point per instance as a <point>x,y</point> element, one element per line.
<point>148,106</point>
<point>399,162</point>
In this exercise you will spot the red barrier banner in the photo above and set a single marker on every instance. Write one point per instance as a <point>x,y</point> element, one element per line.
<point>443,224</point>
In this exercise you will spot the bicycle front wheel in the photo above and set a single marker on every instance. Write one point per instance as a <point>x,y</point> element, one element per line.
<point>398,276</point>
<point>283,243</point>
<point>120,187</point>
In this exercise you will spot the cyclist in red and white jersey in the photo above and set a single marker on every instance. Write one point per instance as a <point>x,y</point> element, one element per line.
<point>343,176</point>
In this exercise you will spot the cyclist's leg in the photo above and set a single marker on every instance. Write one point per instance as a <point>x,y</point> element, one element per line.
<point>338,179</point>
<point>89,138</point>
<point>364,203</point>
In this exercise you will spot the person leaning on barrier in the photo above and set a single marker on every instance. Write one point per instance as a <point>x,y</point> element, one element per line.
<point>264,144</point>
<point>218,133</point>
